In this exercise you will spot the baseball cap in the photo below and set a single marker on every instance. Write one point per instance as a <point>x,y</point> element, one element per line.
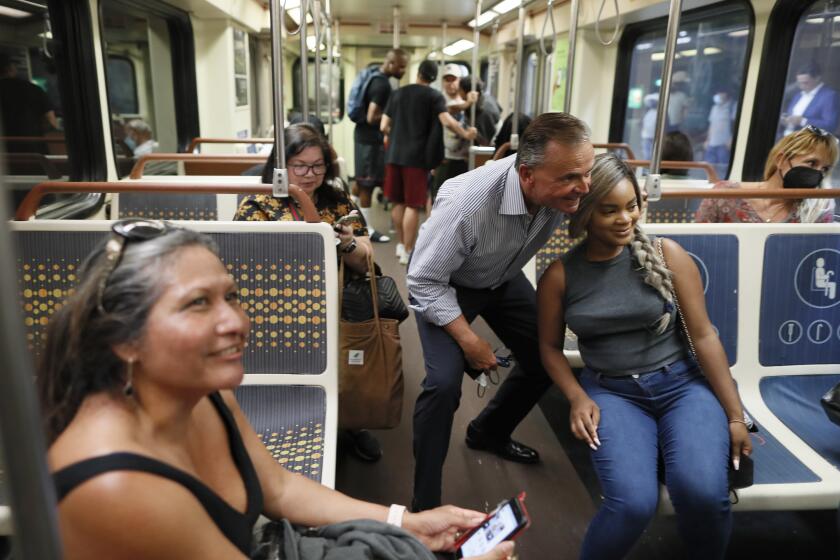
<point>681,76</point>
<point>452,70</point>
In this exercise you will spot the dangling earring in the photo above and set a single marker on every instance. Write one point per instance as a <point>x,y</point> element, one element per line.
<point>128,388</point>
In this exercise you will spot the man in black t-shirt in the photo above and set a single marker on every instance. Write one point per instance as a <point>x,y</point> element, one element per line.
<point>412,121</point>
<point>369,149</point>
<point>25,109</point>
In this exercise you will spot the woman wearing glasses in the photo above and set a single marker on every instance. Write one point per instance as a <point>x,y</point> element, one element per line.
<point>152,457</point>
<point>799,160</point>
<point>309,163</point>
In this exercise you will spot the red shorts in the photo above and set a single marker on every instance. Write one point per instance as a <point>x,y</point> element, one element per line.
<point>406,185</point>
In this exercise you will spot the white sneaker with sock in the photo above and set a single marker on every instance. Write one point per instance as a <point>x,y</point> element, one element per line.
<point>400,250</point>
<point>405,257</point>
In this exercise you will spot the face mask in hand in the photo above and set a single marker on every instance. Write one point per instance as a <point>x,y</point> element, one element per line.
<point>802,177</point>
<point>130,142</point>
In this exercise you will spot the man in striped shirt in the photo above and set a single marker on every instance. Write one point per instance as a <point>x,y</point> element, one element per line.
<point>486,225</point>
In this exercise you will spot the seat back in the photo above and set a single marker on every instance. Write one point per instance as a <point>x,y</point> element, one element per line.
<point>286,274</point>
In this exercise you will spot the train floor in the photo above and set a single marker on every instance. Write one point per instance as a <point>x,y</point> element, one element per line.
<point>562,490</point>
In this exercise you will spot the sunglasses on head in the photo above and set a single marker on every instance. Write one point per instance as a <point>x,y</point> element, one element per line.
<point>135,230</point>
<point>819,131</point>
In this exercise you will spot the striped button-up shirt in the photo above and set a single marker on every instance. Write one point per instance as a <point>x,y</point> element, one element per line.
<point>480,235</point>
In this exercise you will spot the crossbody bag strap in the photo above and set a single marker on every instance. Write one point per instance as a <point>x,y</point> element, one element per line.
<point>676,299</point>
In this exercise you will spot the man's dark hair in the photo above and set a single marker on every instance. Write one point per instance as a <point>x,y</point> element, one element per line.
<point>465,84</point>
<point>562,128</point>
<point>428,70</point>
<point>811,68</point>
<point>676,147</point>
<point>5,62</point>
<point>296,117</point>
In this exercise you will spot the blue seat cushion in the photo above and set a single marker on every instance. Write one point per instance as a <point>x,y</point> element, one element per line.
<point>795,400</point>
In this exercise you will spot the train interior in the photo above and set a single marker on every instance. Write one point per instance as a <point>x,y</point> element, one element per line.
<point>200,77</point>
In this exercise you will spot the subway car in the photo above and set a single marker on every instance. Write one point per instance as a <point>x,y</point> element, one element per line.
<point>168,110</point>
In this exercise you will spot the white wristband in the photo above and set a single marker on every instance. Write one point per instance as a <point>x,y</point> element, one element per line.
<point>395,515</point>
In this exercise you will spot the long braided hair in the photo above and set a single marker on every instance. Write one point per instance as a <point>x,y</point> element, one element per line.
<point>606,174</point>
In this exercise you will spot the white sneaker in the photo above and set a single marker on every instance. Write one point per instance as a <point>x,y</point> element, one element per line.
<point>405,257</point>
<point>400,250</point>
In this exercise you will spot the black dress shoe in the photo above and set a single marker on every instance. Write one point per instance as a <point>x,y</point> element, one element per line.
<point>511,449</point>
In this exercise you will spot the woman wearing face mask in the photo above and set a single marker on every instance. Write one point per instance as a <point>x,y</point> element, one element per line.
<point>800,160</point>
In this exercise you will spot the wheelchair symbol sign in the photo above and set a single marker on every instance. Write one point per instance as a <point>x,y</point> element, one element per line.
<point>816,278</point>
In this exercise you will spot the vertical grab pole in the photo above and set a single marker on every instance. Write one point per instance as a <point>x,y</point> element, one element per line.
<point>316,27</point>
<point>520,37</point>
<point>491,67</point>
<point>29,482</point>
<point>396,42</point>
<point>548,56</point>
<point>304,62</point>
<point>570,55</point>
<point>280,177</point>
<point>330,84</point>
<point>474,81</point>
<point>442,59</point>
<point>653,182</point>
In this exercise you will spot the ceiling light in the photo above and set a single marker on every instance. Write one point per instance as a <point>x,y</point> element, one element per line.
<point>657,56</point>
<point>457,47</point>
<point>683,40</point>
<point>689,52</point>
<point>836,18</point>
<point>505,6</point>
<point>711,50</point>
<point>11,12</point>
<point>484,18</point>
<point>432,55</point>
<point>644,46</point>
<point>739,33</point>
<point>815,20</point>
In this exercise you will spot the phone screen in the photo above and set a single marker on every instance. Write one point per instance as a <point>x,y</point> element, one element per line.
<point>494,530</point>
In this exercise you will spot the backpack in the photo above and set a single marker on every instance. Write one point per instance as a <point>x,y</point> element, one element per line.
<point>356,108</point>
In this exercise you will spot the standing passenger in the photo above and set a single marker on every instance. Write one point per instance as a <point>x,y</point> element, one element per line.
<point>456,148</point>
<point>641,396</point>
<point>369,149</point>
<point>25,109</point>
<point>487,224</point>
<point>409,122</point>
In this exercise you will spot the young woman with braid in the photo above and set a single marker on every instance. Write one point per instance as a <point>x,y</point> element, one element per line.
<point>641,401</point>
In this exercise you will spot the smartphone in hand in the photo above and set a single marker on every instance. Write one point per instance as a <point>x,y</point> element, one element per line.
<point>504,523</point>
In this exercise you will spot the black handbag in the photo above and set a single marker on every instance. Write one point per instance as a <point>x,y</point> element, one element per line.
<point>357,305</point>
<point>831,404</point>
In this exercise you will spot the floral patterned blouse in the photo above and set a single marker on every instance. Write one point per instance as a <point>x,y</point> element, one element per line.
<point>739,210</point>
<point>263,207</point>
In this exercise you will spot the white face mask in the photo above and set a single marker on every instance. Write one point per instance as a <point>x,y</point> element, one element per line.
<point>719,98</point>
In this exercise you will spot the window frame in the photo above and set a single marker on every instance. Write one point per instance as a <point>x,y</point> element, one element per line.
<point>631,34</point>
<point>182,43</point>
<point>772,77</point>
<point>74,49</point>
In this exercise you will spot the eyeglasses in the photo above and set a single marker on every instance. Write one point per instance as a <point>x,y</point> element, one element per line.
<point>124,231</point>
<point>819,131</point>
<point>301,169</point>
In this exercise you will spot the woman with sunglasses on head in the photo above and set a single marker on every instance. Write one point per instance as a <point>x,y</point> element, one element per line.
<point>802,159</point>
<point>151,454</point>
<point>642,398</point>
<point>310,166</point>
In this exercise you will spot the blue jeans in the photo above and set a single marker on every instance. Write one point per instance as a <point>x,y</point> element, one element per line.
<point>670,413</point>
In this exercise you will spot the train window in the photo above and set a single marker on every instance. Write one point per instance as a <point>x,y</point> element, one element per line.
<point>707,86</point>
<point>336,105</point>
<point>240,67</point>
<point>532,95</point>
<point>559,66</point>
<point>32,114</point>
<point>152,43</point>
<point>122,85</point>
<point>813,79</point>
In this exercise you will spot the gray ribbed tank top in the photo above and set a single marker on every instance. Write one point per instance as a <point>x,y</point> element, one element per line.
<point>613,312</point>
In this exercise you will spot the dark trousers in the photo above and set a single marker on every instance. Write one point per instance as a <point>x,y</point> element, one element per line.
<point>511,312</point>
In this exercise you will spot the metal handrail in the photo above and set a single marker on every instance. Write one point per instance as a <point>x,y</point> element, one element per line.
<point>137,170</point>
<point>784,194</point>
<point>474,80</point>
<point>705,166</point>
<point>616,146</point>
<point>41,160</point>
<point>195,142</point>
<point>27,208</point>
<point>517,92</point>
<point>570,55</point>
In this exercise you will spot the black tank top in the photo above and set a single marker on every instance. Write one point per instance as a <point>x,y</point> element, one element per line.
<point>236,526</point>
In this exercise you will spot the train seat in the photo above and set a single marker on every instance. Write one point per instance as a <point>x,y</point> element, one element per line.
<point>283,271</point>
